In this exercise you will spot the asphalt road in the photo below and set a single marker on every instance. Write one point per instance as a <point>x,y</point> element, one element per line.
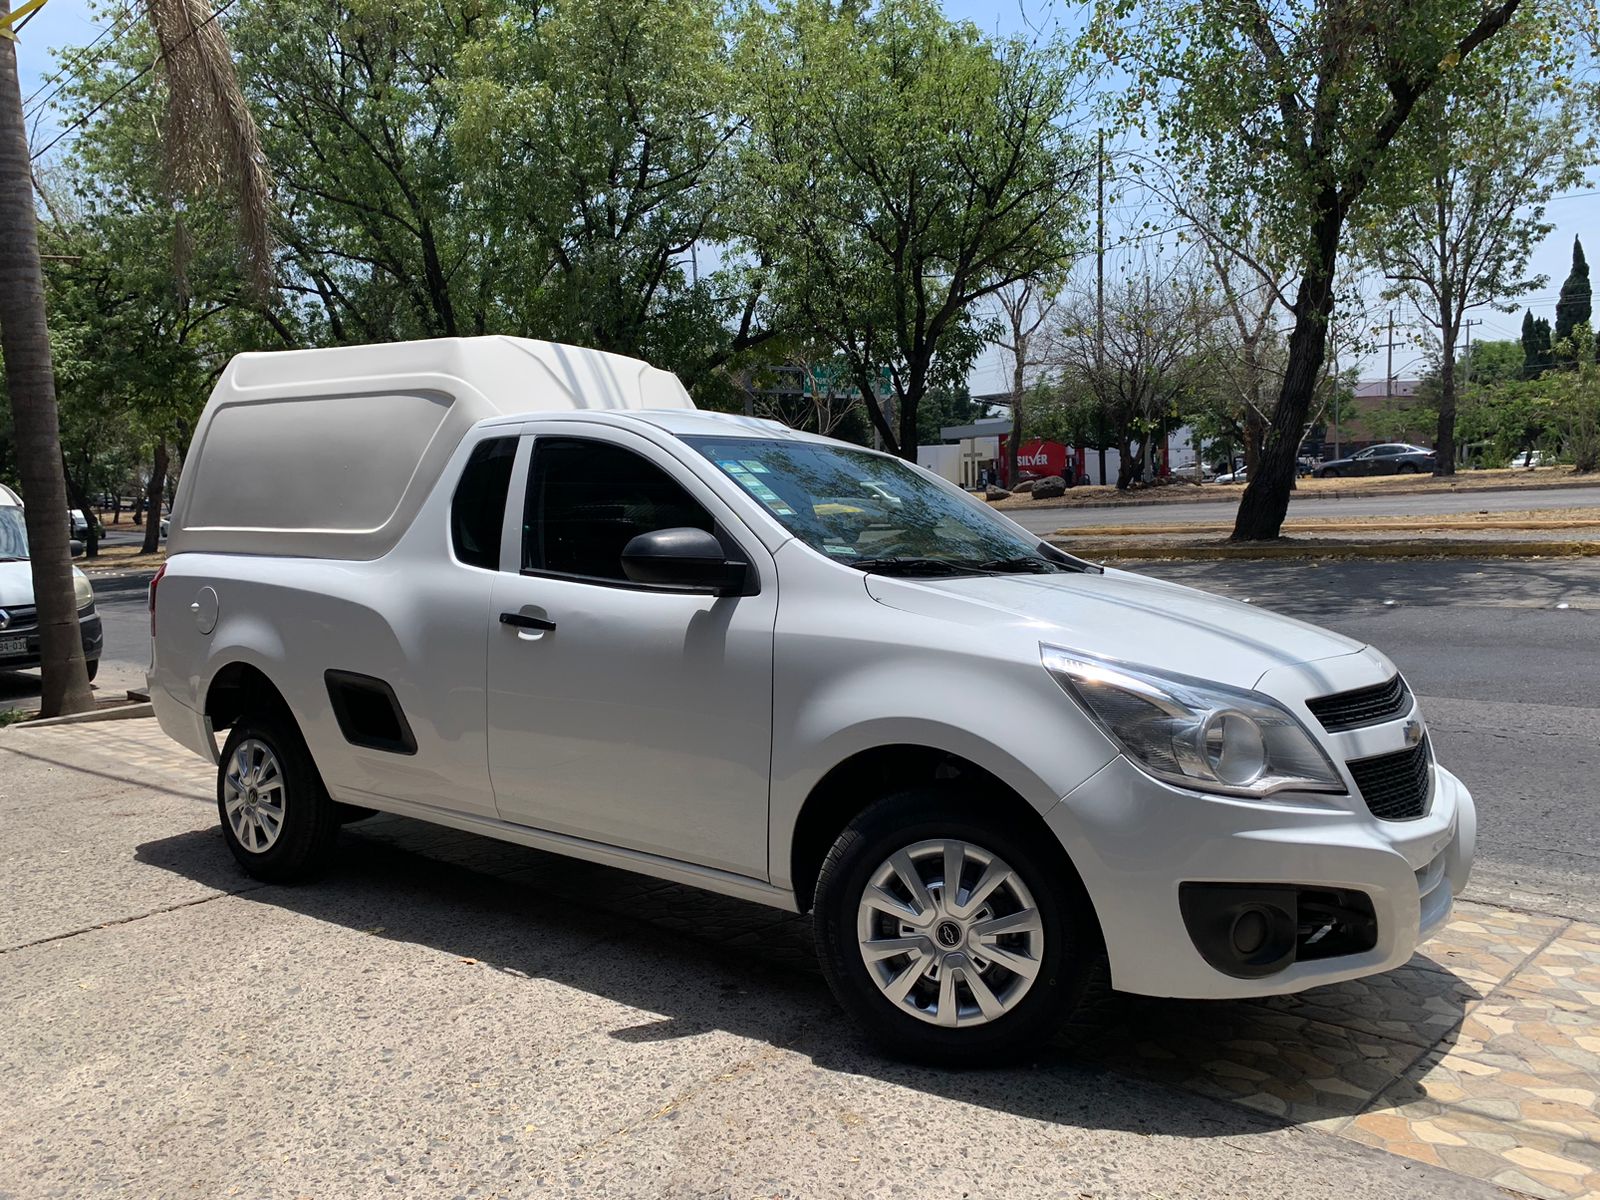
<point>1048,520</point>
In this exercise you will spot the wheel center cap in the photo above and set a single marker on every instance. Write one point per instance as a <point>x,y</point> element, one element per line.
<point>948,933</point>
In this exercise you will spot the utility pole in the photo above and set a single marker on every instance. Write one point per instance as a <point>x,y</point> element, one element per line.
<point>1388,377</point>
<point>1100,277</point>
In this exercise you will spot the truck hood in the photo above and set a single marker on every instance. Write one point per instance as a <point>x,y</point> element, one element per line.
<point>16,583</point>
<point>1123,616</point>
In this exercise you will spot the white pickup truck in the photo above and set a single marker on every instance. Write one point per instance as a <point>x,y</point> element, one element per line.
<point>529,591</point>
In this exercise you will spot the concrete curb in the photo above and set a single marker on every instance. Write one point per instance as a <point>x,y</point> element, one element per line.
<point>1372,550</point>
<point>115,712</point>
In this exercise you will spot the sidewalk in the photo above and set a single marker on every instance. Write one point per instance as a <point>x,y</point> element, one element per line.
<point>447,1012</point>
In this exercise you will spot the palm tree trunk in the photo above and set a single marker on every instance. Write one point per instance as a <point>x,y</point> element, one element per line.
<point>30,380</point>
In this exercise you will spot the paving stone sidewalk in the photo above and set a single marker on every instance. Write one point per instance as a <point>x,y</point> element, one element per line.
<point>1481,1057</point>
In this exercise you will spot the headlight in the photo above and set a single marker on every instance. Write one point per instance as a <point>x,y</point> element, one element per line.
<point>82,592</point>
<point>1194,733</point>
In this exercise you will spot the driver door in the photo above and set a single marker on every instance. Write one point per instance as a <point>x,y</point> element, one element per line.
<point>620,713</point>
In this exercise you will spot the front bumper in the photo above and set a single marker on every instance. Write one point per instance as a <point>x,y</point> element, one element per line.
<point>89,629</point>
<point>1135,841</point>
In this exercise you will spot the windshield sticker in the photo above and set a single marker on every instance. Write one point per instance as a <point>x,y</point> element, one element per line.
<point>756,488</point>
<point>846,551</point>
<point>753,467</point>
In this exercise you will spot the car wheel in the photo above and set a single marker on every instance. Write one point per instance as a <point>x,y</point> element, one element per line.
<point>1407,469</point>
<point>1328,473</point>
<point>92,668</point>
<point>276,814</point>
<point>956,938</point>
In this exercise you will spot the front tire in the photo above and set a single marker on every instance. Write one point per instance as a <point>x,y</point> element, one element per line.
<point>276,815</point>
<point>985,971</point>
<point>1329,473</point>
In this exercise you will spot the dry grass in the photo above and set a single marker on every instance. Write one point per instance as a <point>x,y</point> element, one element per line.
<point>122,558</point>
<point>1397,485</point>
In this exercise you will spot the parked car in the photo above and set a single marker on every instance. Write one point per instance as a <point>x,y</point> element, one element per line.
<point>555,604</point>
<point>1528,459</point>
<point>78,525</point>
<point>1391,458</point>
<point>19,615</point>
<point>1236,476</point>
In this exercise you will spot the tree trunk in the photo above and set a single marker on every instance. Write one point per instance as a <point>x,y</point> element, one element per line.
<point>1014,443</point>
<point>1444,445</point>
<point>1102,464</point>
<point>75,493</point>
<point>1265,502</point>
<point>30,380</point>
<point>152,500</point>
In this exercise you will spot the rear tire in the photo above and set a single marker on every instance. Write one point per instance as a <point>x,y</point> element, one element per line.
<point>1407,469</point>
<point>92,668</point>
<point>276,815</point>
<point>952,996</point>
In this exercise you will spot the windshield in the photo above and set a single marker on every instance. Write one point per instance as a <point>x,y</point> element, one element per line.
<point>873,511</point>
<point>13,533</point>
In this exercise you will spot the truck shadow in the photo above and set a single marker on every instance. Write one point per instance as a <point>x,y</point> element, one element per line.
<point>694,963</point>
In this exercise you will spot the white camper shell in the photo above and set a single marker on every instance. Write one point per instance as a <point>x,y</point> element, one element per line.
<point>330,453</point>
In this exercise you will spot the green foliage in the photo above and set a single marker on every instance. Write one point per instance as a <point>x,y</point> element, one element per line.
<point>1576,396</point>
<point>899,169</point>
<point>1538,356</point>
<point>1573,306</point>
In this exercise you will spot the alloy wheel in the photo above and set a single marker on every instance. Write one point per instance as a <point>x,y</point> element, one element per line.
<point>949,933</point>
<point>253,795</point>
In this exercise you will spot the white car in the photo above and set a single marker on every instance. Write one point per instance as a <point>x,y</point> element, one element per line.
<point>19,615</point>
<point>529,591</point>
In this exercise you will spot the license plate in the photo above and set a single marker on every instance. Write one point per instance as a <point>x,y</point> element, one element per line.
<point>13,646</point>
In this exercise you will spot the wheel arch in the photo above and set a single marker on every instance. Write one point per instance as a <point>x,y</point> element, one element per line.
<point>853,784</point>
<point>239,687</point>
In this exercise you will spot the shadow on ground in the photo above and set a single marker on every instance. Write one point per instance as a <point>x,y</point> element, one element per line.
<point>1323,1056</point>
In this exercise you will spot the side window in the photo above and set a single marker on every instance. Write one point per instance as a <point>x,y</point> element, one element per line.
<point>478,512</point>
<point>587,500</point>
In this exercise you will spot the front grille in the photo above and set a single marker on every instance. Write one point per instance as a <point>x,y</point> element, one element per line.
<point>22,616</point>
<point>1395,786</point>
<point>1364,706</point>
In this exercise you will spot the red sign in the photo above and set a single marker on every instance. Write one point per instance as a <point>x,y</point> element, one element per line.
<point>1037,459</point>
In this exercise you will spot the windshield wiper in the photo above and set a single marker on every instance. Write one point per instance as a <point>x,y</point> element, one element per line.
<point>1025,564</point>
<point>898,565</point>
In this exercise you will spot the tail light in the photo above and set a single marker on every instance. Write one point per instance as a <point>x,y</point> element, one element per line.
<point>155,583</point>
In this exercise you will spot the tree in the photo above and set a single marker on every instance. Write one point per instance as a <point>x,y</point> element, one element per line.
<point>1146,360</point>
<point>30,384</point>
<point>209,138</point>
<point>1486,157</point>
<point>1537,353</point>
<point>1027,305</point>
<point>1297,107</point>
<point>899,169</point>
<point>1576,393</point>
<point>1573,305</point>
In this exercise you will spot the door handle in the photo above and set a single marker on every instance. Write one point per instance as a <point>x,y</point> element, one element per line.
<point>522,621</point>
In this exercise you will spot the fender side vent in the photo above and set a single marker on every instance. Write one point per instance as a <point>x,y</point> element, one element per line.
<point>368,713</point>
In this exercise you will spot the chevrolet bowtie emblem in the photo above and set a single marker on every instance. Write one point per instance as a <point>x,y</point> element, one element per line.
<point>5,619</point>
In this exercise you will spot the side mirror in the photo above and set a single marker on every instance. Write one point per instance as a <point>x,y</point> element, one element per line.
<point>686,560</point>
<point>77,548</point>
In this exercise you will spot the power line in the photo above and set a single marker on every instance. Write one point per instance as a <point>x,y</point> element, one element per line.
<point>79,121</point>
<point>74,70</point>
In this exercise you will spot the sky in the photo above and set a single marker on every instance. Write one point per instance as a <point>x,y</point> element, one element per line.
<point>71,23</point>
